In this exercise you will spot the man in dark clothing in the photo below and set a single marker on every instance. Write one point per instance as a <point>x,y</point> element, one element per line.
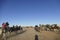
<point>7,26</point>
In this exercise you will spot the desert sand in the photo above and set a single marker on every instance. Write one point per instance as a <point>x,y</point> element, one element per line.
<point>30,35</point>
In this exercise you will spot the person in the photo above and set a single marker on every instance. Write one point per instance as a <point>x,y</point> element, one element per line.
<point>3,31</point>
<point>7,26</point>
<point>3,27</point>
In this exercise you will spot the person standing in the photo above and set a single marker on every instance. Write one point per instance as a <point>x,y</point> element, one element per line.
<point>3,27</point>
<point>7,26</point>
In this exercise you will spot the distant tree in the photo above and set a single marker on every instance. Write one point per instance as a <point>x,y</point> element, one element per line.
<point>43,25</point>
<point>27,26</point>
<point>39,25</point>
<point>31,26</point>
<point>0,27</point>
<point>55,25</point>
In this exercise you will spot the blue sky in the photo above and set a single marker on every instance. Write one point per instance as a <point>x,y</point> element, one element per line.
<point>29,12</point>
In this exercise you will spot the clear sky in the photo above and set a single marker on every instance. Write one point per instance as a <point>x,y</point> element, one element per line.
<point>29,12</point>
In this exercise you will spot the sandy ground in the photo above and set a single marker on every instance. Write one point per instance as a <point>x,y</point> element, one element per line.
<point>0,34</point>
<point>0,31</point>
<point>30,35</point>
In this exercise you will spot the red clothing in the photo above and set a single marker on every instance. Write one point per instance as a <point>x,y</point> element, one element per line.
<point>3,26</point>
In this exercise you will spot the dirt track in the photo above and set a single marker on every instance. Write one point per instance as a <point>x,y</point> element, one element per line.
<point>30,35</point>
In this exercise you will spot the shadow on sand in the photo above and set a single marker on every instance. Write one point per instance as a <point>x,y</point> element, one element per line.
<point>36,37</point>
